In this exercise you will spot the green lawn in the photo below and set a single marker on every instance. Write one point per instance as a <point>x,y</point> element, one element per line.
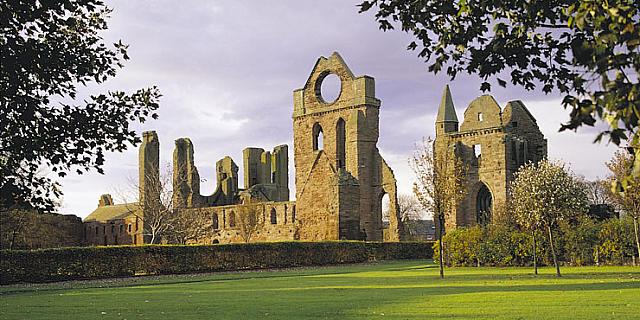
<point>396,289</point>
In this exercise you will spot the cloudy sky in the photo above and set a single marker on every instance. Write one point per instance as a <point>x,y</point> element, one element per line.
<point>227,70</point>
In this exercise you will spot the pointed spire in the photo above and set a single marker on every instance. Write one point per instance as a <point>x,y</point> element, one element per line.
<point>446,111</point>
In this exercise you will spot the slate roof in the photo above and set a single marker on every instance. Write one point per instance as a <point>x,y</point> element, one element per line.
<point>112,212</point>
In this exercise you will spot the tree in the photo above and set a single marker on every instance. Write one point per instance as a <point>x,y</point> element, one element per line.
<point>439,186</point>
<point>48,50</point>
<point>587,50</point>
<point>159,217</point>
<point>410,214</point>
<point>626,197</point>
<point>190,225</point>
<point>250,221</point>
<point>599,198</point>
<point>542,195</point>
<point>13,223</point>
<point>409,208</point>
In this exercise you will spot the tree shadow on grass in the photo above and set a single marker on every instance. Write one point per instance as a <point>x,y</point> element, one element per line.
<point>170,279</point>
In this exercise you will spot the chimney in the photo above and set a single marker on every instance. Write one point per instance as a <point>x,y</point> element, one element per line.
<point>105,200</point>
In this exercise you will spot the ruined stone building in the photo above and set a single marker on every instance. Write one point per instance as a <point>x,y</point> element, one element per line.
<point>340,177</point>
<point>493,143</point>
<point>113,224</point>
<point>120,224</point>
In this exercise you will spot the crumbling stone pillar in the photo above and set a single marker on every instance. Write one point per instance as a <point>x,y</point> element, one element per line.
<point>280,171</point>
<point>149,168</point>
<point>186,180</point>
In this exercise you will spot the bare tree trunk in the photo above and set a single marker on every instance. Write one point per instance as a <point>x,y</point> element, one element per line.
<point>553,251</point>
<point>535,248</point>
<point>17,227</point>
<point>440,248</point>
<point>635,228</point>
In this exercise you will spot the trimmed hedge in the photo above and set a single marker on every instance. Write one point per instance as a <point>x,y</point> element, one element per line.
<point>49,265</point>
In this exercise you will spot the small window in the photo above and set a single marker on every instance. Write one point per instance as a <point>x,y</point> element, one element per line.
<point>477,150</point>
<point>214,222</point>
<point>113,229</point>
<point>340,143</point>
<point>129,227</point>
<point>96,230</point>
<point>274,217</point>
<point>293,214</point>
<point>318,139</point>
<point>480,116</point>
<point>121,228</point>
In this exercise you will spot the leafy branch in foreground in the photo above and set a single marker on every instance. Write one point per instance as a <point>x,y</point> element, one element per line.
<point>587,50</point>
<point>48,49</point>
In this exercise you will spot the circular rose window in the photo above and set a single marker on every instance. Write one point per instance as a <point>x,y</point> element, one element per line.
<point>329,88</point>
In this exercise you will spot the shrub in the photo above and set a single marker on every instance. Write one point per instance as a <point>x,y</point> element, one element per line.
<point>49,265</point>
<point>463,246</point>
<point>583,241</point>
<point>616,241</point>
<point>505,246</point>
<point>580,241</point>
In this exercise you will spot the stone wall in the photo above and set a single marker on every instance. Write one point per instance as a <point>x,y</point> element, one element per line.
<point>24,229</point>
<point>125,231</point>
<point>275,221</point>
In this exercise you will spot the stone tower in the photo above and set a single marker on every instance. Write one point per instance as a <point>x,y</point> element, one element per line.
<point>186,180</point>
<point>149,169</point>
<point>266,174</point>
<point>340,175</point>
<point>493,143</point>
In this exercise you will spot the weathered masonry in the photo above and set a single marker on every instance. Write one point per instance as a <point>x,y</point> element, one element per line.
<point>340,177</point>
<point>493,143</point>
<point>341,182</point>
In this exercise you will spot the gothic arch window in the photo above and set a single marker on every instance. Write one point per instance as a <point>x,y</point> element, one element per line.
<point>483,205</point>
<point>385,203</point>
<point>340,143</point>
<point>273,217</point>
<point>214,222</point>
<point>318,138</point>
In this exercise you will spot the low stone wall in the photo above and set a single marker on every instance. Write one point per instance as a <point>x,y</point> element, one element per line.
<point>51,265</point>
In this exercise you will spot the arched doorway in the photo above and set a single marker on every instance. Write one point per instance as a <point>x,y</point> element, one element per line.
<point>484,201</point>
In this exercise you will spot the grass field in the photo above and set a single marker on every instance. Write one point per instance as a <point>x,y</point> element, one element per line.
<point>387,290</point>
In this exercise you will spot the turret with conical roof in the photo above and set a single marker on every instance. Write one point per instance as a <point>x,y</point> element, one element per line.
<point>447,120</point>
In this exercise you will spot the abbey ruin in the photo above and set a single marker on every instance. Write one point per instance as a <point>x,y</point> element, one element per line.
<point>340,177</point>
<point>493,143</point>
